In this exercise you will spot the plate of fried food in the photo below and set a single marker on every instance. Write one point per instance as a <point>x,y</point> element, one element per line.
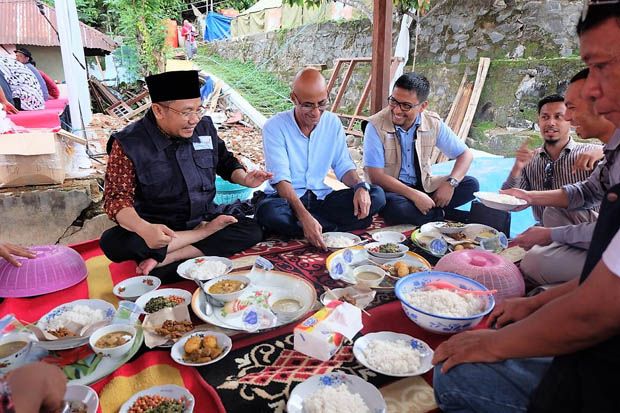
<point>403,267</point>
<point>201,348</point>
<point>167,398</point>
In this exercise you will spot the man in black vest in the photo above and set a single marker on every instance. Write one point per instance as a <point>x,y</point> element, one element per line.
<point>160,183</point>
<point>577,323</point>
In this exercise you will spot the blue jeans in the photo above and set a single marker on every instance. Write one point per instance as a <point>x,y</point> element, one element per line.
<point>334,213</point>
<point>489,387</point>
<point>400,210</point>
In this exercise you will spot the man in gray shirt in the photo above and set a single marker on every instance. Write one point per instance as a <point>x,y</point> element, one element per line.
<point>557,251</point>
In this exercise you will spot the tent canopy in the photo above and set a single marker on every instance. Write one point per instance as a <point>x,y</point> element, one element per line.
<point>218,27</point>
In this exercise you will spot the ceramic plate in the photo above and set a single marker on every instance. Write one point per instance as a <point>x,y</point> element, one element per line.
<point>132,288</point>
<point>356,240</point>
<point>446,227</point>
<point>264,285</point>
<point>185,269</point>
<point>223,341</point>
<point>164,292</point>
<point>369,393</point>
<point>361,257</point>
<point>389,236</point>
<point>108,311</point>
<point>426,354</point>
<point>169,390</point>
<point>502,202</point>
<point>402,249</point>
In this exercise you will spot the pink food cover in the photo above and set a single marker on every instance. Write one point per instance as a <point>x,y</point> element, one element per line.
<point>55,268</point>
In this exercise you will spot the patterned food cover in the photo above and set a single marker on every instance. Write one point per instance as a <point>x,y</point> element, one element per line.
<point>55,268</point>
<point>489,269</point>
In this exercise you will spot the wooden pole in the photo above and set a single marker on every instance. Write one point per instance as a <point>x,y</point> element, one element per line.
<point>381,54</point>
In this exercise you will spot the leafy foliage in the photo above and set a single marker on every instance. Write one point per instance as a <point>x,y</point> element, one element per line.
<point>142,24</point>
<point>239,5</point>
<point>401,6</point>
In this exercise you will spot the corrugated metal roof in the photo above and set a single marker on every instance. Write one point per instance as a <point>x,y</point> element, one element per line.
<point>21,23</point>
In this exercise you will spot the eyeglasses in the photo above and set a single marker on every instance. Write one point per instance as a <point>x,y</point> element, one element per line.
<point>309,107</point>
<point>404,106</point>
<point>187,114</point>
<point>548,181</point>
<point>588,3</point>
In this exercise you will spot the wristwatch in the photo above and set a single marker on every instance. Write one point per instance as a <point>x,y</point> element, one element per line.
<point>453,182</point>
<point>363,185</point>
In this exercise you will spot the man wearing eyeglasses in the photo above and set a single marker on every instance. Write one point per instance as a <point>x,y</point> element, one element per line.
<point>558,351</point>
<point>160,183</point>
<point>398,145</point>
<point>301,146</point>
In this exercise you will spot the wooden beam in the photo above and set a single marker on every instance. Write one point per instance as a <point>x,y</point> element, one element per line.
<point>381,53</point>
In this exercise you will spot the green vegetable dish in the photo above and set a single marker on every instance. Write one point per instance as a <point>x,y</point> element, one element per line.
<point>157,303</point>
<point>169,406</point>
<point>388,248</point>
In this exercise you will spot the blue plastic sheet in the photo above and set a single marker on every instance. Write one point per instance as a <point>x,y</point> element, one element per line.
<point>218,27</point>
<point>491,173</point>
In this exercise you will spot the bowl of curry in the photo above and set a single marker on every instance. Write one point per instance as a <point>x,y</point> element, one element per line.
<point>226,288</point>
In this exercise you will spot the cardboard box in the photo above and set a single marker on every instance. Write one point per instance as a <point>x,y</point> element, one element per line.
<point>37,158</point>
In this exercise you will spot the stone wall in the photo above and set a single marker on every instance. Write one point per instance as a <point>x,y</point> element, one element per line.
<point>531,43</point>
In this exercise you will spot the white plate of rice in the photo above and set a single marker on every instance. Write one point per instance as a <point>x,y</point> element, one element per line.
<point>446,303</point>
<point>339,240</point>
<point>503,202</point>
<point>204,268</point>
<point>335,392</point>
<point>393,354</point>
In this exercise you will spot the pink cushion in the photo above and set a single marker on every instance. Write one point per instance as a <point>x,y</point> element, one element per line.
<point>45,118</point>
<point>59,103</point>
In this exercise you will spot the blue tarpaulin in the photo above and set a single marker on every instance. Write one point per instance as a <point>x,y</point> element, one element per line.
<point>218,27</point>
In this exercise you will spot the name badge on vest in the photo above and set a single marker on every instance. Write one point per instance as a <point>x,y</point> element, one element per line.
<point>205,143</point>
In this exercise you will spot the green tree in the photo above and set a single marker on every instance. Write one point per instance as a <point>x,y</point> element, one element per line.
<point>239,5</point>
<point>142,25</point>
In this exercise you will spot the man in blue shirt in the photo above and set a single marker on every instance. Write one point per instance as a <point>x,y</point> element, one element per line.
<point>301,145</point>
<point>399,143</point>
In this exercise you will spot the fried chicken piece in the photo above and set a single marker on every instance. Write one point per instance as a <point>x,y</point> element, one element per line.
<point>209,342</point>
<point>192,345</point>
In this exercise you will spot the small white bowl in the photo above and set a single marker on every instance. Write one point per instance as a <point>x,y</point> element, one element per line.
<point>113,352</point>
<point>286,314</point>
<point>18,357</point>
<point>225,298</point>
<point>132,288</point>
<point>185,269</point>
<point>402,250</point>
<point>84,394</point>
<point>389,236</point>
<point>372,269</point>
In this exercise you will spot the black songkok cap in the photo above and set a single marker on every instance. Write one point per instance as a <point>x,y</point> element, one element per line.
<point>179,85</point>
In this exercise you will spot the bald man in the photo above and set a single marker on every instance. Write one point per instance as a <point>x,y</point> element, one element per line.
<point>301,146</point>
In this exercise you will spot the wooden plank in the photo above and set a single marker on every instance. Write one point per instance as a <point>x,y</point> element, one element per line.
<point>457,98</point>
<point>215,96</point>
<point>483,69</point>
<point>381,53</point>
<point>334,76</point>
<point>343,85</point>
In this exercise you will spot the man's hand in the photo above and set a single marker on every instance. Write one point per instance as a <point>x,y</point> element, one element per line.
<point>423,202</point>
<point>156,235</point>
<point>361,203</point>
<point>587,160</point>
<point>522,157</point>
<point>313,231</point>
<point>8,250</point>
<point>534,236</point>
<point>255,178</point>
<point>467,347</point>
<point>521,194</point>
<point>443,195</point>
<point>511,310</point>
<point>37,387</point>
<point>9,108</point>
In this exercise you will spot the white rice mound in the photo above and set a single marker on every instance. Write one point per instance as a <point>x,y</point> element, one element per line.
<point>393,357</point>
<point>446,303</point>
<point>335,399</point>
<point>338,241</point>
<point>79,314</point>
<point>207,270</point>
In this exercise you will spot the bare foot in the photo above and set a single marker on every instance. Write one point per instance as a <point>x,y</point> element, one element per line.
<point>146,266</point>
<point>220,222</point>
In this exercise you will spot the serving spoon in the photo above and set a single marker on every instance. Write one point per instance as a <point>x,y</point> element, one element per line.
<point>445,285</point>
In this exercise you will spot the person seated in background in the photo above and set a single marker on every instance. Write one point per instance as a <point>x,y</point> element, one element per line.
<point>48,86</point>
<point>399,142</point>
<point>25,88</point>
<point>6,96</point>
<point>300,146</point>
<point>33,388</point>
<point>23,56</point>
<point>160,183</point>
<point>7,251</point>
<point>560,161</point>
<point>558,250</point>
